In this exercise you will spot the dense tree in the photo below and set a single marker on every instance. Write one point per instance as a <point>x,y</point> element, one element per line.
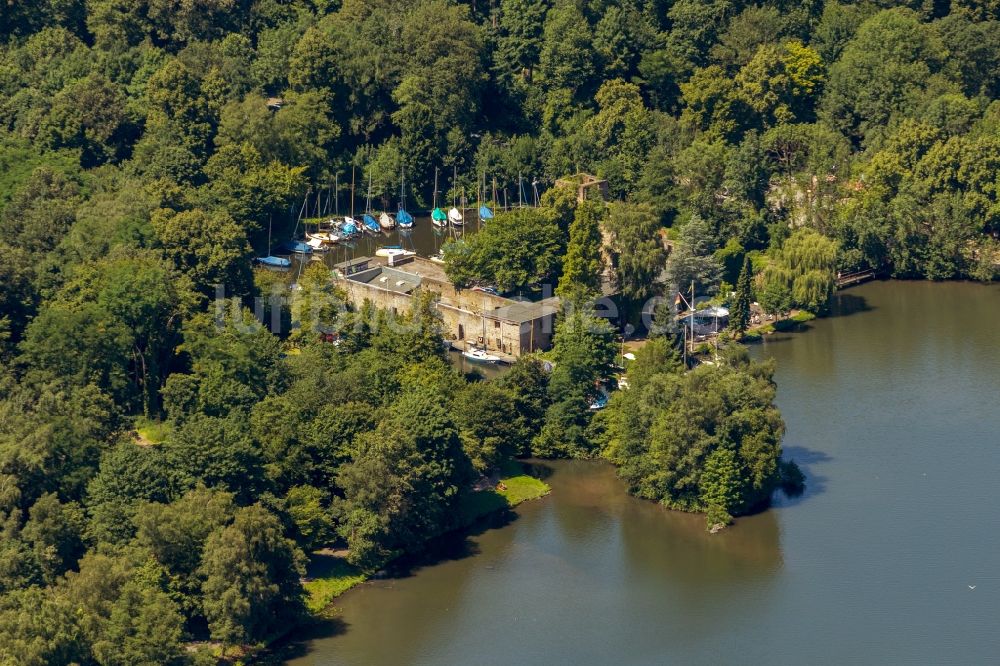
<point>637,252</point>
<point>145,625</point>
<point>698,441</point>
<point>583,350</point>
<point>692,262</point>
<point>881,71</point>
<point>403,481</point>
<point>147,147</point>
<point>251,578</point>
<point>583,266</point>
<point>516,249</point>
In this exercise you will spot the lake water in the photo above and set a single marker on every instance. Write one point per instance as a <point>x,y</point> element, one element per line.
<point>893,412</point>
<point>424,238</point>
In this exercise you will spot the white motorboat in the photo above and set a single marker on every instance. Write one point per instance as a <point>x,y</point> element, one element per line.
<point>393,251</point>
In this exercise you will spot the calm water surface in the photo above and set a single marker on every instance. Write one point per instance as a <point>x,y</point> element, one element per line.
<point>892,411</point>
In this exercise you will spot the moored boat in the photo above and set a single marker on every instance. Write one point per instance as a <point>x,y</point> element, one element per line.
<point>369,224</point>
<point>480,355</point>
<point>386,222</point>
<point>350,227</point>
<point>296,247</point>
<point>274,262</point>
<point>404,219</point>
<point>394,251</point>
<point>438,216</point>
<point>455,217</point>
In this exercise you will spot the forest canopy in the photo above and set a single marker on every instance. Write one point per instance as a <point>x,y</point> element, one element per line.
<point>149,149</point>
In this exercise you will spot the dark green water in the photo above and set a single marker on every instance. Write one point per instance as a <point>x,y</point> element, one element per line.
<point>893,411</point>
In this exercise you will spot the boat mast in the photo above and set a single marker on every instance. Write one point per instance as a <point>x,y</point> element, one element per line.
<point>352,190</point>
<point>435,194</point>
<point>336,195</point>
<point>368,199</point>
<point>454,193</point>
<point>302,211</point>
<point>520,191</point>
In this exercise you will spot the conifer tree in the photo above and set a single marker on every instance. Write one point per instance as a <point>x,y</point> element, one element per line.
<point>739,317</point>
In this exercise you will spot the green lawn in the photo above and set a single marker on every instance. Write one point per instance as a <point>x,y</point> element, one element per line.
<point>520,488</point>
<point>150,431</point>
<point>330,575</point>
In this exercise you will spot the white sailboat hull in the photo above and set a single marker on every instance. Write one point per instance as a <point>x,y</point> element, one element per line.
<point>455,217</point>
<point>480,356</point>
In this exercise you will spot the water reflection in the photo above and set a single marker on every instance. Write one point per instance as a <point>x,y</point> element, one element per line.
<point>588,558</point>
<point>892,413</point>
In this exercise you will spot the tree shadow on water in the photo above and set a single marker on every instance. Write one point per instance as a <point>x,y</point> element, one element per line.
<point>537,468</point>
<point>299,643</point>
<point>815,483</point>
<point>452,546</point>
<point>845,304</point>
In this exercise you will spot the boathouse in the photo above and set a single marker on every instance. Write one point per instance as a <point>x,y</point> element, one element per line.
<point>505,326</point>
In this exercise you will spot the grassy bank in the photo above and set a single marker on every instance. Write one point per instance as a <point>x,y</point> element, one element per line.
<point>330,575</point>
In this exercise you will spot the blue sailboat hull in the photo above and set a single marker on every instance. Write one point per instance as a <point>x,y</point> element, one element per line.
<point>404,219</point>
<point>485,213</point>
<point>371,224</point>
<point>274,262</point>
<point>297,247</point>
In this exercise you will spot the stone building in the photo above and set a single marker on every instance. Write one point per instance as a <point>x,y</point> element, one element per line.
<point>502,325</point>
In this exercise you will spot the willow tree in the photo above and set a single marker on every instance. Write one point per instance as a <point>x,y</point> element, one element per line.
<point>806,267</point>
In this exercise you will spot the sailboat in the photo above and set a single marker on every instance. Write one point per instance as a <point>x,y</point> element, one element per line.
<point>479,354</point>
<point>455,215</point>
<point>368,222</point>
<point>270,260</point>
<point>386,221</point>
<point>349,221</point>
<point>404,219</point>
<point>484,211</point>
<point>297,246</point>
<point>437,215</point>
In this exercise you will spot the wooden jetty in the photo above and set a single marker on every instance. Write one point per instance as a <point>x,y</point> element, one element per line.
<point>849,279</point>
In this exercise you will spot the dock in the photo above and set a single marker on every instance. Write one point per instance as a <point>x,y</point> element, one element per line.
<point>850,279</point>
